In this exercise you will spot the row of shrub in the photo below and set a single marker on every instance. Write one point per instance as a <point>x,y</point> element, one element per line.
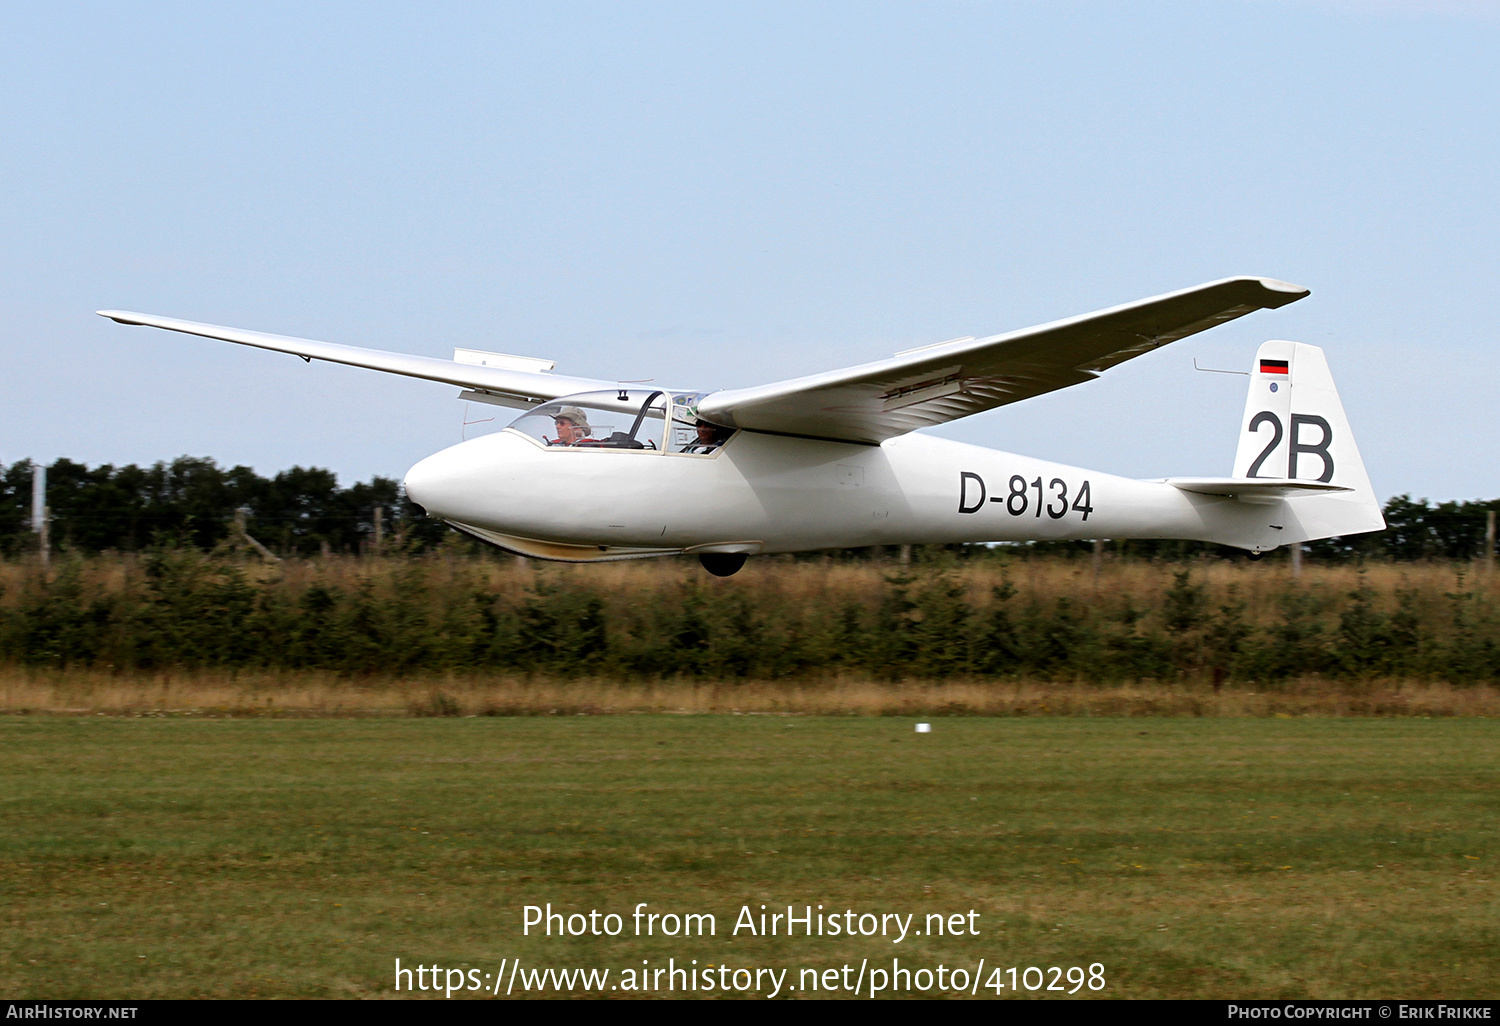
<point>1215,621</point>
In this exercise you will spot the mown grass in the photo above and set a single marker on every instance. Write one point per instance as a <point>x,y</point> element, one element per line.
<point>1193,857</point>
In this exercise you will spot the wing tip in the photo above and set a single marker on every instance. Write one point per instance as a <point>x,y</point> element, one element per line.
<point>121,316</point>
<point>1284,292</point>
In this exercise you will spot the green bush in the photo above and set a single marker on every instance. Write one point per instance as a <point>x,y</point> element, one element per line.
<point>179,608</point>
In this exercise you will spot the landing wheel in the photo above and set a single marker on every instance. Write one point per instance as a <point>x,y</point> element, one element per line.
<point>1253,556</point>
<point>722,564</point>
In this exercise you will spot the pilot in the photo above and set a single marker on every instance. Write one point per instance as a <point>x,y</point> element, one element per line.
<point>710,437</point>
<point>572,426</point>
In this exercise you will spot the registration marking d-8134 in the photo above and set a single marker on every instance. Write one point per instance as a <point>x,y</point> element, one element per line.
<point>1036,496</point>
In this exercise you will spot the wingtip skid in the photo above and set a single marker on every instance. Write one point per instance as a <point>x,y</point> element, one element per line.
<point>1287,292</point>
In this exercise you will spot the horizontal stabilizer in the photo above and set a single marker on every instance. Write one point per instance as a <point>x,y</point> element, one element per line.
<point>1251,489</point>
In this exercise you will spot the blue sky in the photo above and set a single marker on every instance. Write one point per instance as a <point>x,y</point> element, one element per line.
<point>719,195</point>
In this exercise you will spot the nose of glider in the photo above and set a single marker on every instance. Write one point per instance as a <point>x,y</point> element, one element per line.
<point>486,482</point>
<point>444,483</point>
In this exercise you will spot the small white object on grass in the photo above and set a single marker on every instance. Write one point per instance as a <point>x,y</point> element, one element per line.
<point>924,728</point>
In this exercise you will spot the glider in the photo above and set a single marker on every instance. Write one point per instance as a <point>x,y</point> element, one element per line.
<point>596,470</point>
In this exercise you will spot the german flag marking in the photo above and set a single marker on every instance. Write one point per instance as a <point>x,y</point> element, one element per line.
<point>1275,367</point>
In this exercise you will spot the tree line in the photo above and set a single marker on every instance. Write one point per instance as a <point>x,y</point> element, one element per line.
<point>192,501</point>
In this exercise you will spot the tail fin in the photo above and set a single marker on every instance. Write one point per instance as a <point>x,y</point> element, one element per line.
<point>1295,428</point>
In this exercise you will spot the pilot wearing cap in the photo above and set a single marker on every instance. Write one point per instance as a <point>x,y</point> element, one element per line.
<point>710,437</point>
<point>572,426</point>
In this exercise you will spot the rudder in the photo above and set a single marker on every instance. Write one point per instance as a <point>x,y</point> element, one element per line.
<point>1294,427</point>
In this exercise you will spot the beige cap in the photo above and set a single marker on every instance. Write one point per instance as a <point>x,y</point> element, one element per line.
<point>574,414</point>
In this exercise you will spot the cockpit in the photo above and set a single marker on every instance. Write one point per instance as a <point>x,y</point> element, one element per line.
<point>625,419</point>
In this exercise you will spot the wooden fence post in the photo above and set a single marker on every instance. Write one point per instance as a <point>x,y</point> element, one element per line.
<point>41,513</point>
<point>1489,544</point>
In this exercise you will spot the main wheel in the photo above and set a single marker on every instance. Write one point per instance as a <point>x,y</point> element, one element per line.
<point>722,564</point>
<point>1253,556</point>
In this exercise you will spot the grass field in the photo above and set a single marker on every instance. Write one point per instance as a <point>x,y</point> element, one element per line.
<point>1192,857</point>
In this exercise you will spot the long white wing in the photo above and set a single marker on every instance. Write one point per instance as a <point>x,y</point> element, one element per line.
<point>507,386</point>
<point>934,385</point>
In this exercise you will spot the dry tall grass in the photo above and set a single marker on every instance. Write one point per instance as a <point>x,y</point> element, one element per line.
<point>318,694</point>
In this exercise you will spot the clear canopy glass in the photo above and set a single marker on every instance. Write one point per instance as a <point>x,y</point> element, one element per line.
<point>622,419</point>
<point>642,419</point>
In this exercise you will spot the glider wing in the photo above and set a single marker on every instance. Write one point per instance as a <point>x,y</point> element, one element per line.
<point>518,382</point>
<point>943,382</point>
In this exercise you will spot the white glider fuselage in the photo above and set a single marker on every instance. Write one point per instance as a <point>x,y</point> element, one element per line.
<point>594,470</point>
<point>764,493</point>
